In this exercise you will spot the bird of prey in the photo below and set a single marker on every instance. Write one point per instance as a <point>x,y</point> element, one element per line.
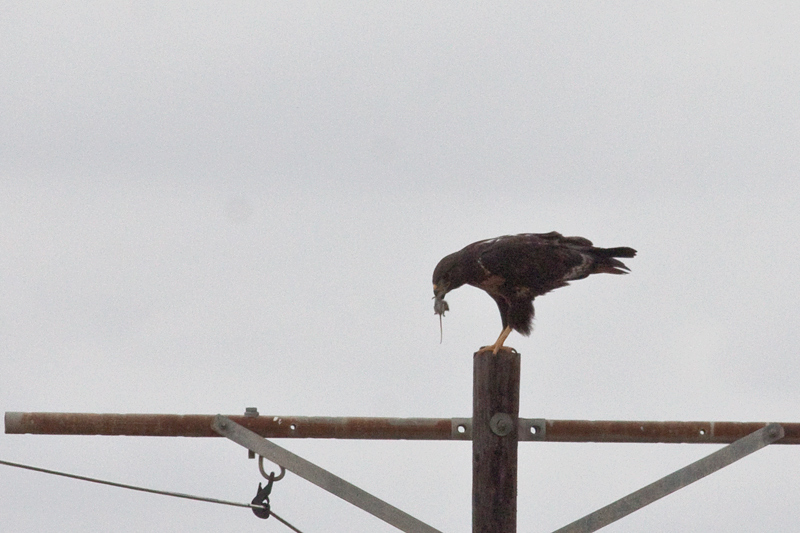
<point>515,269</point>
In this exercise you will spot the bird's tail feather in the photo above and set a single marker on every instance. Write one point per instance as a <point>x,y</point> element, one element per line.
<point>608,265</point>
<point>622,251</point>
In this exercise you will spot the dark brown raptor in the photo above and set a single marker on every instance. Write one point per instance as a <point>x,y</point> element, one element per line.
<point>515,269</point>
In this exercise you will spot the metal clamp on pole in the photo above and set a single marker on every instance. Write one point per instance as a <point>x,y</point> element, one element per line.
<point>319,476</point>
<point>675,481</point>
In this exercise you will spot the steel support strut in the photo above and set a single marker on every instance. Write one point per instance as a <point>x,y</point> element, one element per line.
<point>319,476</point>
<point>675,481</point>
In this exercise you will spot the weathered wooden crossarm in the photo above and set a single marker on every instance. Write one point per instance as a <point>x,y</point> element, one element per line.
<point>530,429</point>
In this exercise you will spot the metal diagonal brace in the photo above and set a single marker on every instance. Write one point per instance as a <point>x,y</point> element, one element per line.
<point>677,480</point>
<point>319,476</point>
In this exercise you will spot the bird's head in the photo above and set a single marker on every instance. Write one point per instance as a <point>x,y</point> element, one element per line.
<point>447,275</point>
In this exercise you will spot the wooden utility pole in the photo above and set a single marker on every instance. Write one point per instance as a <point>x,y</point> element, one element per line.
<point>495,428</point>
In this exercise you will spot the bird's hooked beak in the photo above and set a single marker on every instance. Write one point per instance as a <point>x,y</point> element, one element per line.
<point>440,306</point>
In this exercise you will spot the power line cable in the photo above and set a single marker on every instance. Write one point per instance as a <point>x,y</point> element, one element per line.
<point>144,489</point>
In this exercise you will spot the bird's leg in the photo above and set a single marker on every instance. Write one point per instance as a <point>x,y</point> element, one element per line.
<point>498,344</point>
<point>501,339</point>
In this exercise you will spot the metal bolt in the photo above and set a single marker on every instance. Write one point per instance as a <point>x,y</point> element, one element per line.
<point>774,431</point>
<point>251,412</point>
<point>501,424</point>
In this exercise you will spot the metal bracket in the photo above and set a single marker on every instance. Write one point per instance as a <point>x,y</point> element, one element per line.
<point>319,476</point>
<point>532,429</point>
<point>677,480</point>
<point>461,428</point>
<point>528,429</point>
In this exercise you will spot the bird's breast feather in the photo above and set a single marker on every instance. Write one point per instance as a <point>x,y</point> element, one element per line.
<point>492,283</point>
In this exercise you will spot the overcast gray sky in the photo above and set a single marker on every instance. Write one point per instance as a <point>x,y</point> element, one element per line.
<point>205,207</point>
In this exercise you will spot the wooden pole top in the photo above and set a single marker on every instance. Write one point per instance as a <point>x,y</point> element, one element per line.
<point>495,432</point>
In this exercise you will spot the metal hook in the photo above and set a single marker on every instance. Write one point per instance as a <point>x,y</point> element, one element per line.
<point>262,500</point>
<point>271,476</point>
